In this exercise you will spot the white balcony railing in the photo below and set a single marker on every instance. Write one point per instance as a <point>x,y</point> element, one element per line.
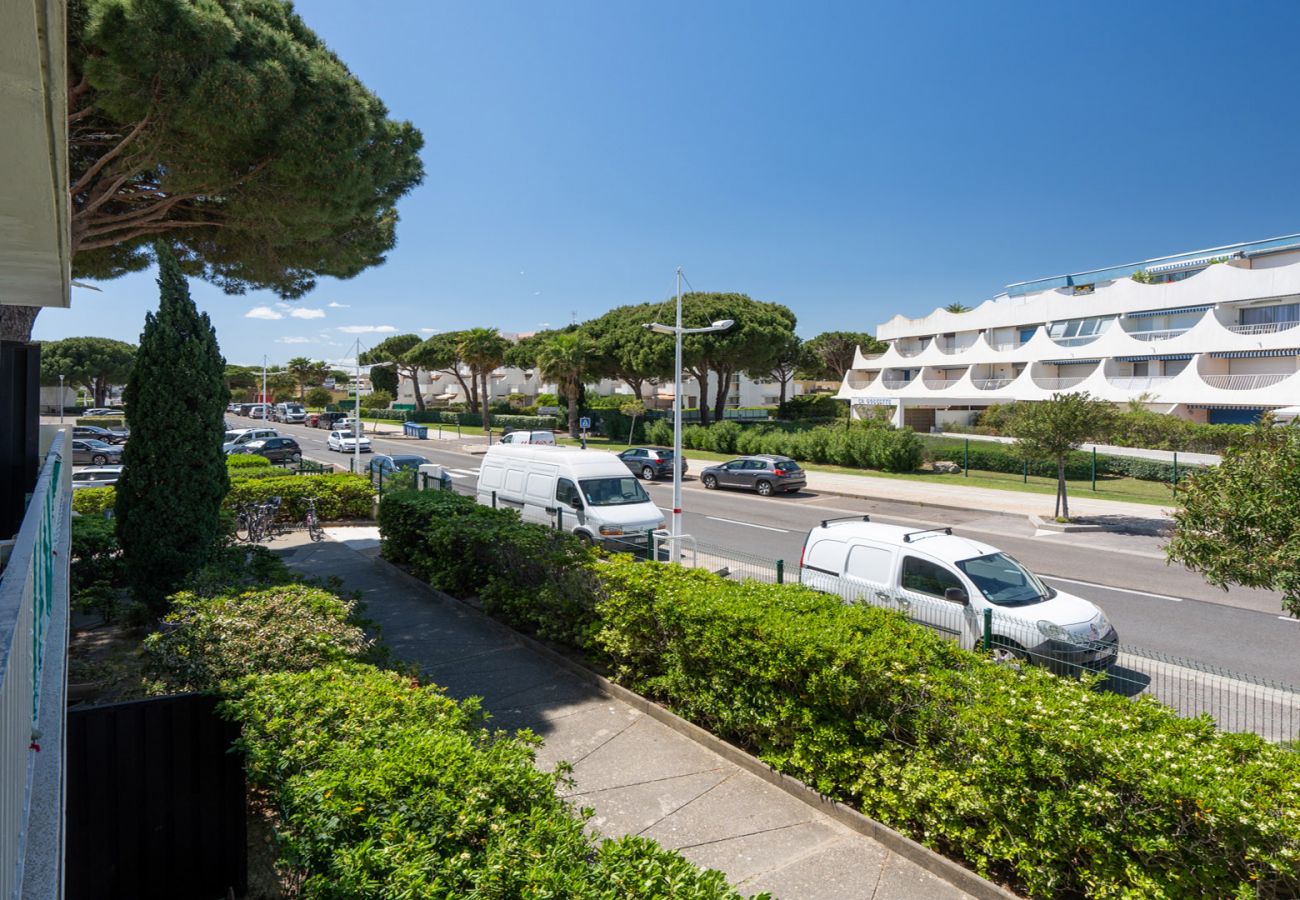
<point>896,383</point>
<point>939,384</point>
<point>1005,345</point>
<point>1075,341</point>
<point>909,350</point>
<point>1244,382</point>
<point>1060,384</point>
<point>859,379</point>
<point>1162,334</point>
<point>950,347</point>
<point>991,384</point>
<point>1263,327</point>
<point>32,582</point>
<point>1139,382</point>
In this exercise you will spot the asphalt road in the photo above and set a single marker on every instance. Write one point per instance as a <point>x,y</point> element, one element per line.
<point>1153,605</point>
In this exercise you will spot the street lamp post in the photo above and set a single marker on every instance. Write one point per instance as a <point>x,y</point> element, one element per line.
<point>677,331</point>
<point>61,398</point>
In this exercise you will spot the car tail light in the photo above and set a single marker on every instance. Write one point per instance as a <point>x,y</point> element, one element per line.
<point>782,472</point>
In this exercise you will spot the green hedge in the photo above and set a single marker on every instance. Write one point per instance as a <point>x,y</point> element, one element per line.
<point>1040,782</point>
<point>468,420</point>
<point>861,445</point>
<point>989,456</point>
<point>102,421</point>
<point>1137,428</point>
<point>386,788</point>
<point>236,461</point>
<point>338,496</point>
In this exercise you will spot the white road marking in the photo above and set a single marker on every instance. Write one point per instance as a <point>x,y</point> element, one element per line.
<point>1286,618</point>
<point>1107,587</point>
<point>748,524</point>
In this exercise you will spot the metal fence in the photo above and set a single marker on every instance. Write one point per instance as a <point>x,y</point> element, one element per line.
<point>29,587</point>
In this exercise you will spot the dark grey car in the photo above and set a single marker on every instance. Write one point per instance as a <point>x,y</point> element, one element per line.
<point>649,463</point>
<point>766,474</point>
<point>107,435</point>
<point>91,452</point>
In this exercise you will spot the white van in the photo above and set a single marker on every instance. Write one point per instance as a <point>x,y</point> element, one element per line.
<point>948,583</point>
<point>588,492</point>
<point>530,437</point>
<point>289,413</point>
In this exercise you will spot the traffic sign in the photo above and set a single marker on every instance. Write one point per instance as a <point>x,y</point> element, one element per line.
<point>584,423</point>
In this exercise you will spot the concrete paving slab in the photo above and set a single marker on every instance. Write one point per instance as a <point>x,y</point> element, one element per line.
<point>634,808</point>
<point>742,805</point>
<point>673,754</point>
<point>840,869</point>
<point>755,858</point>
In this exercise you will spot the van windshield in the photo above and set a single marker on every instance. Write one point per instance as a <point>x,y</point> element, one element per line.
<point>613,491</point>
<point>1005,582</point>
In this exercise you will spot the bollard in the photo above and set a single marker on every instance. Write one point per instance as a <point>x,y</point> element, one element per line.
<point>966,459</point>
<point>444,483</point>
<point>1094,469</point>
<point>559,518</point>
<point>1175,484</point>
<point>988,629</point>
<point>1026,478</point>
<point>650,544</point>
<point>494,499</point>
<point>780,571</point>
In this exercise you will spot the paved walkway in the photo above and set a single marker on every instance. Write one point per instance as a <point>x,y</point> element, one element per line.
<point>639,775</point>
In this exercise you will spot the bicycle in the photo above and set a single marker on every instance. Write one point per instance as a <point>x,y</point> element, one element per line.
<point>314,529</point>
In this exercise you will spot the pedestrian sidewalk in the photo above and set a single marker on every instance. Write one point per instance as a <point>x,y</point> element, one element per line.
<point>641,773</point>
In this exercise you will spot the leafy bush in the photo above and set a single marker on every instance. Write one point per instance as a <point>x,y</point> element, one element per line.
<point>988,456</point>
<point>449,417</point>
<point>389,789</point>
<point>338,496</point>
<point>822,406</point>
<point>377,400</point>
<point>1039,781</point>
<point>96,573</point>
<point>238,461</point>
<point>209,640</point>
<point>102,421</point>
<point>659,432</point>
<point>867,445</point>
<point>93,501</point>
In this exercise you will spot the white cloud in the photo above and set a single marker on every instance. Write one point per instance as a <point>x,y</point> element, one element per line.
<point>333,305</point>
<point>305,313</point>
<point>262,312</point>
<point>294,340</point>
<point>367,329</point>
<point>431,331</point>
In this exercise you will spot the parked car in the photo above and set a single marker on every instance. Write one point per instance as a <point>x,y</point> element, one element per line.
<point>765,474</point>
<point>587,492</point>
<point>91,451</point>
<point>107,435</point>
<point>383,466</point>
<point>104,411</point>
<point>276,449</point>
<point>327,420</point>
<point>312,420</point>
<point>650,463</point>
<point>290,413</point>
<point>241,436</point>
<point>96,476</point>
<point>529,437</point>
<point>346,442</point>
<point>950,583</point>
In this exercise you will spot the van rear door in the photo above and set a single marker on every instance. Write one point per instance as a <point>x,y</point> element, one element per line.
<point>822,561</point>
<point>868,573</point>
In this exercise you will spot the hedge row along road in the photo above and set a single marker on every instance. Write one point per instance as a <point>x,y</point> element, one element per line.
<point>1160,607</point>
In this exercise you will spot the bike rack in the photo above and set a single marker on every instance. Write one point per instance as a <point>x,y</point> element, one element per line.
<point>660,538</point>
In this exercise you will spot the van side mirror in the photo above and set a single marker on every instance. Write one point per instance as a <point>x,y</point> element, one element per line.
<point>956,595</point>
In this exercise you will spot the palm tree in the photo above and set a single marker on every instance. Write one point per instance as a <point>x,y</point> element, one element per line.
<point>483,349</point>
<point>956,308</point>
<point>301,368</point>
<point>565,360</point>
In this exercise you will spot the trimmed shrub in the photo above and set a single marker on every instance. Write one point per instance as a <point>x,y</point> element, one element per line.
<point>211,640</point>
<point>988,456</point>
<point>93,501</point>
<point>804,406</point>
<point>239,461</point>
<point>101,421</point>
<point>338,496</point>
<point>94,552</point>
<point>390,789</point>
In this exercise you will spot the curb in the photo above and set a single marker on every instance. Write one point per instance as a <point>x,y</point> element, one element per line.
<point>940,866</point>
<point>1063,527</point>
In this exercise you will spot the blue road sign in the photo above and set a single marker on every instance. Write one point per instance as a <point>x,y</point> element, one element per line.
<point>584,423</point>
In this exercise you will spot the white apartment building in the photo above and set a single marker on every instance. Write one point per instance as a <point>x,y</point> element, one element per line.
<point>1210,335</point>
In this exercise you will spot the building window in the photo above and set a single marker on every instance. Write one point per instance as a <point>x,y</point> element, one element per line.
<point>1027,333</point>
<point>1268,315</point>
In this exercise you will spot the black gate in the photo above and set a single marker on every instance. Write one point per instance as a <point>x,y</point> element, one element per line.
<point>156,803</point>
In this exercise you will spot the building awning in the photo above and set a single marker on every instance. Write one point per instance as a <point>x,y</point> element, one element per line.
<point>1229,406</point>
<point>1254,354</point>
<point>1177,311</point>
<point>1070,362</point>
<point>1196,262</point>
<point>1170,357</point>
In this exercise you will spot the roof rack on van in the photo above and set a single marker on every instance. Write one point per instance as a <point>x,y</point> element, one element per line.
<point>907,538</point>
<point>826,522</point>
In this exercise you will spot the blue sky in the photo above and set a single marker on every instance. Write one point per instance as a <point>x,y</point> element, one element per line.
<point>852,160</point>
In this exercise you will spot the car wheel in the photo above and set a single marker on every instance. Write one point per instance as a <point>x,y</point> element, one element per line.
<point>764,488</point>
<point>295,457</point>
<point>647,473</point>
<point>709,482</point>
<point>99,459</point>
<point>1007,651</point>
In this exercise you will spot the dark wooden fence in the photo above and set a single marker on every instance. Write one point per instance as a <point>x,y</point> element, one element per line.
<point>156,802</point>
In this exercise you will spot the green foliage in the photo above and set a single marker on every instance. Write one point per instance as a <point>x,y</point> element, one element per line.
<point>988,456</point>
<point>174,478</point>
<point>240,462</point>
<point>1240,520</point>
<point>390,789</point>
<point>94,501</point>
<point>622,348</point>
<point>377,400</point>
<point>322,397</point>
<point>807,406</point>
<point>830,354</point>
<point>235,114</point>
<point>402,351</point>
<point>101,421</point>
<point>382,378</point>
<point>95,573</point>
<point>863,445</point>
<point>483,350</point>
<point>1051,429</point>
<point>207,641</point>
<point>566,360</point>
<point>94,363</point>
<point>1142,276</point>
<point>1138,427</point>
<point>338,496</point>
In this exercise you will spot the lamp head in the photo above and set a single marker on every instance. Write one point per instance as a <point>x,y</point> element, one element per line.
<point>723,325</point>
<point>659,329</point>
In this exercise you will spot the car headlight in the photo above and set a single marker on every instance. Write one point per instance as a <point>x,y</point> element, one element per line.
<point>609,530</point>
<point>662,525</point>
<point>1052,630</point>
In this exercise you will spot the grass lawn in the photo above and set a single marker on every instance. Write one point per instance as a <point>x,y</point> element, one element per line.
<point>1111,487</point>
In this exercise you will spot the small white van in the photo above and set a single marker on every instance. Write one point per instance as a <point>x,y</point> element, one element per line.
<point>588,492</point>
<point>949,582</point>
<point>530,437</point>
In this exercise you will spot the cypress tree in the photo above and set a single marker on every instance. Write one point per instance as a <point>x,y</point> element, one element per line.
<point>174,476</point>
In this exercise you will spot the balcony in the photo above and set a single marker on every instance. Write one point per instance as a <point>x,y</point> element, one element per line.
<point>861,379</point>
<point>1138,382</point>
<point>1005,345</point>
<point>894,383</point>
<point>1078,341</point>
<point>1060,384</point>
<point>948,348</point>
<point>938,384</point>
<point>991,384</point>
<point>1245,382</point>
<point>1162,334</point>
<point>1262,327</point>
